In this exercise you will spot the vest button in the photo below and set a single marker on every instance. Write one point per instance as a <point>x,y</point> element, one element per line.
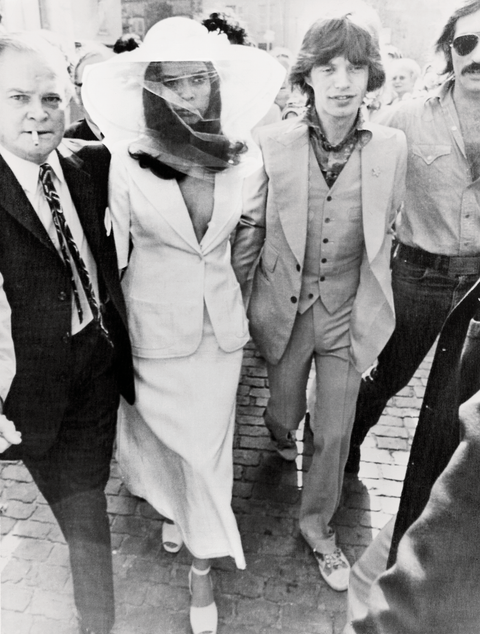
<point>324,260</point>
<point>327,219</point>
<point>299,268</point>
<point>62,296</point>
<point>329,198</point>
<point>310,296</point>
<point>294,300</point>
<point>322,279</point>
<point>66,338</point>
<point>325,240</point>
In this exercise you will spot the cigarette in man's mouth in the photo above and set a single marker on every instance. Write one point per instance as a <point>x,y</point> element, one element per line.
<point>35,137</point>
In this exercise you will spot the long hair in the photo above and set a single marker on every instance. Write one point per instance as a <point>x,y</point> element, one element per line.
<point>442,45</point>
<point>163,124</point>
<point>335,37</point>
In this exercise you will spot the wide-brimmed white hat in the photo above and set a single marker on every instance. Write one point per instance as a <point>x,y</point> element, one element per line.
<point>249,80</point>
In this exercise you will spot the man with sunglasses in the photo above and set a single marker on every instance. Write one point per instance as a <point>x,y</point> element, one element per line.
<point>421,573</point>
<point>437,256</point>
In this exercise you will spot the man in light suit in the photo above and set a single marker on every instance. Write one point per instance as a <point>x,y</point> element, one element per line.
<point>317,219</point>
<point>68,319</point>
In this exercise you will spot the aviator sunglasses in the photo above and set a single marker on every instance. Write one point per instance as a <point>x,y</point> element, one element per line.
<point>465,44</point>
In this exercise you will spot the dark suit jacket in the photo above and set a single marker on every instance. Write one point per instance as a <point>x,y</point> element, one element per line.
<point>80,130</point>
<point>39,293</point>
<point>434,585</point>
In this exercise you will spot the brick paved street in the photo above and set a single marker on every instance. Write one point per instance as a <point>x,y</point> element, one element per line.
<point>281,589</point>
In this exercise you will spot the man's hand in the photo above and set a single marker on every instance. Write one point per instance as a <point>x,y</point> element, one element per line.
<point>8,434</point>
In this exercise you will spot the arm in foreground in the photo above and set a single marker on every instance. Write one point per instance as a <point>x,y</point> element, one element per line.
<point>433,586</point>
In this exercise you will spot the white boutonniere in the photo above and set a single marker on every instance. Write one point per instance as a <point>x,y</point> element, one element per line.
<point>108,221</point>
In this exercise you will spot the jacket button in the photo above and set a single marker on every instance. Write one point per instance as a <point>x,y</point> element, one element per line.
<point>66,338</point>
<point>325,240</point>
<point>294,300</point>
<point>62,296</point>
<point>324,260</point>
<point>329,198</point>
<point>322,279</point>
<point>299,268</point>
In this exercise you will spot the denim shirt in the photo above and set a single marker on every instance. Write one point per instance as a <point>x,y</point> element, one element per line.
<point>441,213</point>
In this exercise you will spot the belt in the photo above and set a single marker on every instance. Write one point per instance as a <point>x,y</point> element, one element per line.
<point>450,264</point>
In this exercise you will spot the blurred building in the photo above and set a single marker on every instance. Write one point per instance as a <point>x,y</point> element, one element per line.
<point>139,15</point>
<point>73,20</point>
<point>410,25</point>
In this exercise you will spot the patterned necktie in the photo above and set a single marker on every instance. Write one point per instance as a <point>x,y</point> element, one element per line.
<point>70,251</point>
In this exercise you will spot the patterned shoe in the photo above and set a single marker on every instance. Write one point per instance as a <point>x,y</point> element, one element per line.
<point>334,568</point>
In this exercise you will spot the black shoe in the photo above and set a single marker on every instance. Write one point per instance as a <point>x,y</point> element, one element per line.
<point>352,466</point>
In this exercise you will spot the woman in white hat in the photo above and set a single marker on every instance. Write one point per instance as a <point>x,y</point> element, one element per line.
<point>177,115</point>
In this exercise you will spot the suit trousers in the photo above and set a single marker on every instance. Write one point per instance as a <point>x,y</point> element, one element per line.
<point>325,338</point>
<point>73,473</point>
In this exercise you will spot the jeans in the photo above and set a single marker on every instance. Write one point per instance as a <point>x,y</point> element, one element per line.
<point>423,298</point>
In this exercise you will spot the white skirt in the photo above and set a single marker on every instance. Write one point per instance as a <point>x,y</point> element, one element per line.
<point>174,445</point>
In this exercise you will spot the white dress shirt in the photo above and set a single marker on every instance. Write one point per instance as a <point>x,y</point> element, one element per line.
<point>27,174</point>
<point>7,353</point>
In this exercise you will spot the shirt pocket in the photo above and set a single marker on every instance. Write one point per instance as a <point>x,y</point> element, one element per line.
<point>355,213</point>
<point>430,152</point>
<point>268,261</point>
<point>269,258</point>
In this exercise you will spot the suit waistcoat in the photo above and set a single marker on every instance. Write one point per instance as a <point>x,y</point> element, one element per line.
<point>335,243</point>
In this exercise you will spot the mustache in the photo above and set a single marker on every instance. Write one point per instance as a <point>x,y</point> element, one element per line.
<point>471,68</point>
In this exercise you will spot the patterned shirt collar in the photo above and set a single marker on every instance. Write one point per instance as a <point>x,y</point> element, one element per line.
<point>359,131</point>
<point>332,159</point>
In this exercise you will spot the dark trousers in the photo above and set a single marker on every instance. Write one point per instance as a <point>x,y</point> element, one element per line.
<point>72,475</point>
<point>423,299</point>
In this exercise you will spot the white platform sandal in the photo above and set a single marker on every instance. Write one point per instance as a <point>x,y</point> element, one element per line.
<point>202,620</point>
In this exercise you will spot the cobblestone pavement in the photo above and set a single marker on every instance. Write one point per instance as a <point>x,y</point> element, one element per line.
<point>281,589</point>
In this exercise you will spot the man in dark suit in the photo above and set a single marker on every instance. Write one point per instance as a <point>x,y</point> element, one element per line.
<point>68,319</point>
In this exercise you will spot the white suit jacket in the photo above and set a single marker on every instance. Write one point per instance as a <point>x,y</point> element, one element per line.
<point>170,278</point>
<point>275,218</point>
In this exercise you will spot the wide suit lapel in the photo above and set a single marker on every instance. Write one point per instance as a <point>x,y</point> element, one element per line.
<point>171,206</point>
<point>169,203</point>
<point>14,200</point>
<point>378,172</point>
<point>372,319</point>
<point>288,160</point>
<point>85,199</point>
<point>226,210</point>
